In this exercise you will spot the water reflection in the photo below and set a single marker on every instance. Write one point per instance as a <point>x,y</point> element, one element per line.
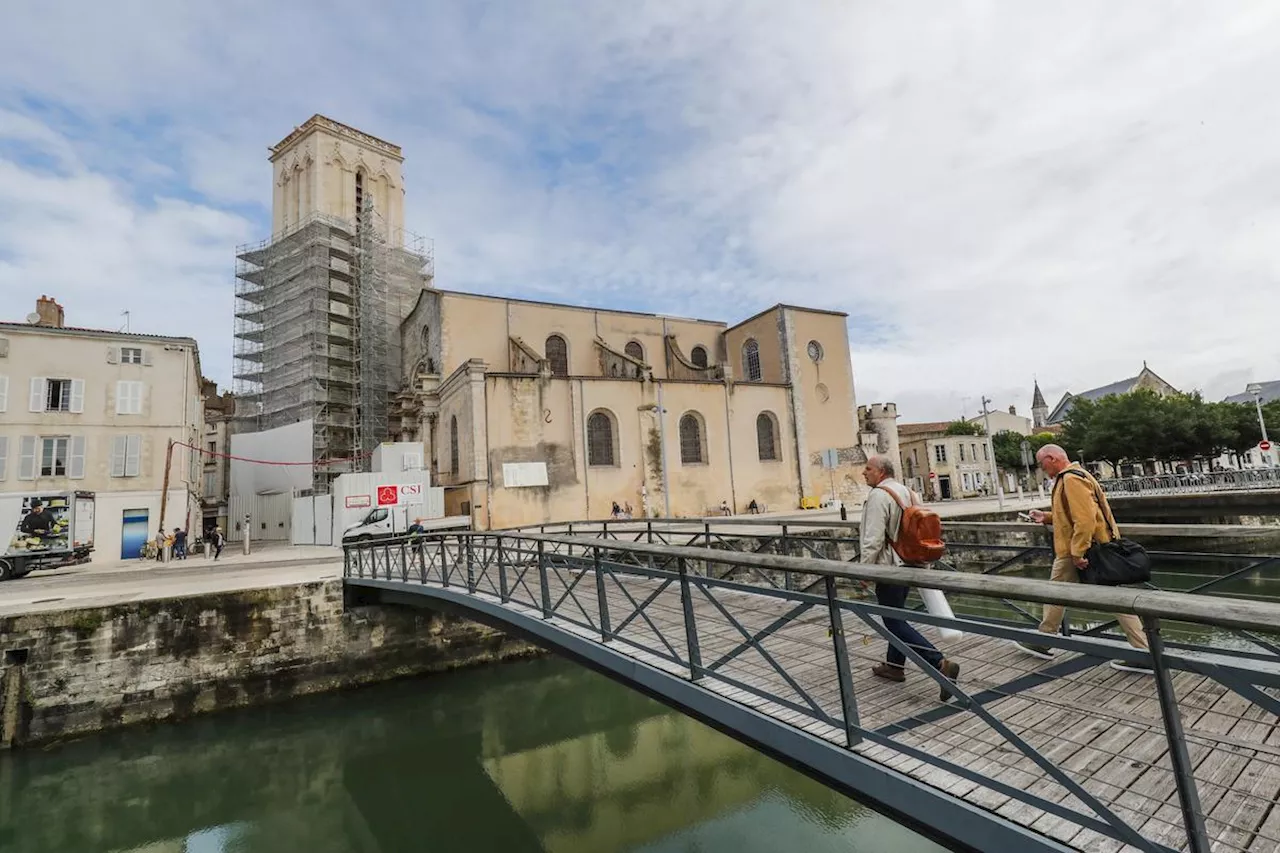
<point>542,756</point>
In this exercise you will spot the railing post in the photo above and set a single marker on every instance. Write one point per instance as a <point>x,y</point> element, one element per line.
<point>346,562</point>
<point>606,630</point>
<point>444,569</point>
<point>787,581</point>
<point>690,628</point>
<point>706,533</point>
<point>420,548</point>
<point>649,526</point>
<point>847,699</point>
<point>542,579</point>
<point>1188,795</point>
<point>386,559</point>
<point>404,563</point>
<point>844,513</point>
<point>503,595</point>
<point>471,569</point>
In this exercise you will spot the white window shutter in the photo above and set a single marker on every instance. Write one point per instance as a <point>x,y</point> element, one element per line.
<point>146,357</point>
<point>122,397</point>
<point>37,393</point>
<point>75,460</point>
<point>27,457</point>
<point>4,457</point>
<point>4,393</point>
<point>133,455</point>
<point>113,355</point>
<point>77,395</point>
<point>119,445</point>
<point>141,391</point>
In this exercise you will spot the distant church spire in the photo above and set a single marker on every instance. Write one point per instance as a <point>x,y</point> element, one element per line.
<point>1039,410</point>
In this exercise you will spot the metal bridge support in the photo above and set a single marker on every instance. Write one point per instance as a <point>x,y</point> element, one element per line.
<point>606,630</point>
<point>1188,795</point>
<point>847,700</point>
<point>542,578</point>
<point>690,628</point>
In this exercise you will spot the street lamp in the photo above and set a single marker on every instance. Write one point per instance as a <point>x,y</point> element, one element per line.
<point>1255,389</point>
<point>991,448</point>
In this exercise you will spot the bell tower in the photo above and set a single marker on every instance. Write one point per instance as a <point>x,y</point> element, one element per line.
<point>326,168</point>
<point>1039,411</point>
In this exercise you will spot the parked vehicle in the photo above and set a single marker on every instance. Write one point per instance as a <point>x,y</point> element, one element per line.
<point>45,531</point>
<point>378,523</point>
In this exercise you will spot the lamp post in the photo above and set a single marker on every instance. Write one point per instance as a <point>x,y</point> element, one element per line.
<point>1255,389</point>
<point>991,449</point>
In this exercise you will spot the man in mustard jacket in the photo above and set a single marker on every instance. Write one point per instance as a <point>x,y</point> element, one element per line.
<point>1074,530</point>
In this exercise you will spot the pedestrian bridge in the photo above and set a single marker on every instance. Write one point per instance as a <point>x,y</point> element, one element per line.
<point>776,650</point>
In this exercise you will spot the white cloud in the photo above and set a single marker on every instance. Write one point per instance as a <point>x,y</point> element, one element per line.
<point>994,190</point>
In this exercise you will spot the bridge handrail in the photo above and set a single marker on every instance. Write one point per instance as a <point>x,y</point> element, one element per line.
<point>1221,611</point>
<point>1137,530</point>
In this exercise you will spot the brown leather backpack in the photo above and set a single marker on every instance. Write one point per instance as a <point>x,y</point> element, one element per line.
<point>919,534</point>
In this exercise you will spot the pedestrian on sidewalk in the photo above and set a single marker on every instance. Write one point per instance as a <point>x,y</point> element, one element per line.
<point>881,520</point>
<point>217,541</point>
<point>1080,516</point>
<point>179,543</point>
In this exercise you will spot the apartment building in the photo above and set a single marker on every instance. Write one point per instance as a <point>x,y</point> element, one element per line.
<point>941,466</point>
<point>219,410</point>
<point>95,410</point>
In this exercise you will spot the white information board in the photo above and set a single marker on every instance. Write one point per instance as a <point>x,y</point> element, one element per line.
<point>517,475</point>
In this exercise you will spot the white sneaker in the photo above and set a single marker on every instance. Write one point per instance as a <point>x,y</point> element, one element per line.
<point>1126,666</point>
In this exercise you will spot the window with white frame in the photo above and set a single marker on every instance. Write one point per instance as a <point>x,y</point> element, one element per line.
<point>968,481</point>
<point>131,355</point>
<point>986,453</point>
<point>940,453</point>
<point>210,484</point>
<point>54,455</point>
<point>57,395</point>
<point>4,457</point>
<point>126,455</point>
<point>129,397</point>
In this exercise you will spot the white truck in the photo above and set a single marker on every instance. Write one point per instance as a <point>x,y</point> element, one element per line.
<point>44,531</point>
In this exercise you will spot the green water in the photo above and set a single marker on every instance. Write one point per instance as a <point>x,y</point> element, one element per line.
<point>521,757</point>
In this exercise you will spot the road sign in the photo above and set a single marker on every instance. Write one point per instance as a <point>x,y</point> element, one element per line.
<point>933,475</point>
<point>830,458</point>
<point>388,495</point>
<point>1264,445</point>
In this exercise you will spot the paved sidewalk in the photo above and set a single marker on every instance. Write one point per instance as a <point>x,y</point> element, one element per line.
<point>141,580</point>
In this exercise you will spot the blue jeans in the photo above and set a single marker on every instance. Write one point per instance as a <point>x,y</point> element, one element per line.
<point>892,595</point>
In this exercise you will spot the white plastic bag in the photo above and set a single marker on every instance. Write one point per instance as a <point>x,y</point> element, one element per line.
<point>936,603</point>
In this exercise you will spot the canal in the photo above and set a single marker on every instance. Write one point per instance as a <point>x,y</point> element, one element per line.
<point>535,756</point>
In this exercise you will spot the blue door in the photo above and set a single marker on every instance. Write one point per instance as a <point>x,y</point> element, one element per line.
<point>133,533</point>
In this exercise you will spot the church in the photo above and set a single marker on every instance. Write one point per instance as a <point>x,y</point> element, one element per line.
<point>528,411</point>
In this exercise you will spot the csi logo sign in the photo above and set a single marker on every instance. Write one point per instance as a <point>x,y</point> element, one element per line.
<point>393,495</point>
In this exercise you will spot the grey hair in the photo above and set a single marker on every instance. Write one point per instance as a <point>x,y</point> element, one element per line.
<point>1052,450</point>
<point>883,464</point>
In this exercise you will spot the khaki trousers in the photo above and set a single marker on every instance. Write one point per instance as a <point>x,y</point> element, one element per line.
<point>1065,570</point>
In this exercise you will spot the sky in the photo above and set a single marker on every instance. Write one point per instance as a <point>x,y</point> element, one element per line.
<point>996,192</point>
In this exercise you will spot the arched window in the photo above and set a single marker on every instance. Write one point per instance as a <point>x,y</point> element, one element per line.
<point>453,445</point>
<point>601,435</point>
<point>693,448</point>
<point>698,355</point>
<point>634,350</point>
<point>751,361</point>
<point>557,355</point>
<point>767,437</point>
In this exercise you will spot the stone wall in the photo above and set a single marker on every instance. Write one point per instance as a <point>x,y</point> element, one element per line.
<point>75,671</point>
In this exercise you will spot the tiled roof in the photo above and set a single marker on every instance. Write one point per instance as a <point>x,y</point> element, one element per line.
<point>1270,393</point>
<point>922,428</point>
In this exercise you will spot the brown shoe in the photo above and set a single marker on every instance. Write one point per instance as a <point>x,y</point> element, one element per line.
<point>951,670</point>
<point>889,672</point>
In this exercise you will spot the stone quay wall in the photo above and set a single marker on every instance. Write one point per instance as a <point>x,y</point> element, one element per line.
<point>76,671</point>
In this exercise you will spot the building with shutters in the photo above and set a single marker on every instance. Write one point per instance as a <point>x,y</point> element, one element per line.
<point>95,410</point>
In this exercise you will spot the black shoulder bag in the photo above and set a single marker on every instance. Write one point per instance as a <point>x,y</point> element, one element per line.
<point>1115,563</point>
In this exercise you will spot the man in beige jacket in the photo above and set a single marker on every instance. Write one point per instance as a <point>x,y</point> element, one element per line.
<point>1080,516</point>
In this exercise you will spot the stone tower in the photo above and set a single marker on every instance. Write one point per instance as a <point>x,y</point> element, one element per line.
<point>1039,411</point>
<point>325,167</point>
<point>880,420</point>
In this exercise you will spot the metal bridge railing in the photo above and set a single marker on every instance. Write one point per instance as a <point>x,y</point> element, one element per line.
<point>1211,481</point>
<point>1082,755</point>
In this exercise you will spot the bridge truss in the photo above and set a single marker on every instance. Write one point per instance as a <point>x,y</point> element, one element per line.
<point>776,650</point>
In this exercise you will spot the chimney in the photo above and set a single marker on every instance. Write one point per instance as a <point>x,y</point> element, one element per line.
<point>51,313</point>
<point>1013,410</point>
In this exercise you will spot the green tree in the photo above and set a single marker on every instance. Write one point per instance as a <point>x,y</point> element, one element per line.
<point>964,428</point>
<point>1008,447</point>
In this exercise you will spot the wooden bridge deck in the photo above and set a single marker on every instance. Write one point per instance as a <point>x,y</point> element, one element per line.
<point>1101,725</point>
